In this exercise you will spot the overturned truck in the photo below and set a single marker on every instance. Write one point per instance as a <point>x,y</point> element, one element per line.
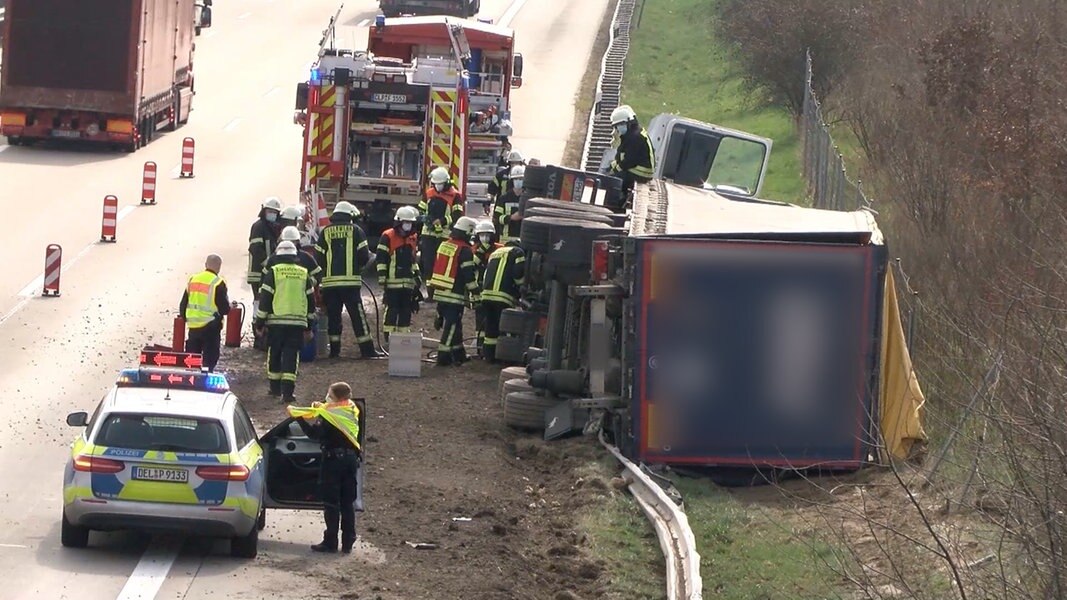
<point>703,326</point>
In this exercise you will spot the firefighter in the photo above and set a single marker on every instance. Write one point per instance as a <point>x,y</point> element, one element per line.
<point>634,156</point>
<point>398,270</point>
<point>203,305</point>
<point>287,311</point>
<point>303,258</point>
<point>506,210</point>
<point>455,281</point>
<point>291,216</point>
<point>441,207</point>
<point>484,244</point>
<point>343,252</point>
<point>261,241</point>
<point>505,273</point>
<point>334,423</point>
<point>501,183</point>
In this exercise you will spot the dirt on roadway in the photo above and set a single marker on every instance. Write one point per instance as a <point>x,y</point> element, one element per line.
<point>437,449</point>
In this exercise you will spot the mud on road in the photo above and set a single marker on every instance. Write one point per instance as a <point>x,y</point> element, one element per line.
<point>437,450</point>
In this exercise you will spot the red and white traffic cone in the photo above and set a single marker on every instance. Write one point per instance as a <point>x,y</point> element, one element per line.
<point>148,184</point>
<point>188,148</point>
<point>111,219</point>
<point>53,259</point>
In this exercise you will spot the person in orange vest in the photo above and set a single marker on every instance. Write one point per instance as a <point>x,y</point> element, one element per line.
<point>455,281</point>
<point>441,207</point>
<point>398,270</point>
<point>484,244</point>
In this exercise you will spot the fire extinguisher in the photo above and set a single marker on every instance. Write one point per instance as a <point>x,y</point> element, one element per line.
<point>179,334</point>
<point>235,321</point>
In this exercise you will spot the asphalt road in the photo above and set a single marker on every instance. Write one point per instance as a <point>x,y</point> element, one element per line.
<point>61,354</point>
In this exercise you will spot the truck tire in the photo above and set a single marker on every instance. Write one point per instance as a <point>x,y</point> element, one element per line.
<point>510,350</point>
<point>566,213</point>
<point>535,180</point>
<point>536,232</point>
<point>520,384</point>
<point>509,373</point>
<point>526,410</point>
<point>567,205</point>
<point>573,246</point>
<point>518,322</point>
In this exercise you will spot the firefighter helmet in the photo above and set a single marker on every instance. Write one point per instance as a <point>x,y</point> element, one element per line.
<point>346,208</point>
<point>515,157</point>
<point>407,213</point>
<point>439,176</point>
<point>622,114</point>
<point>286,249</point>
<point>272,203</point>
<point>293,213</point>
<point>517,172</point>
<point>484,226</point>
<point>465,224</point>
<point>290,234</point>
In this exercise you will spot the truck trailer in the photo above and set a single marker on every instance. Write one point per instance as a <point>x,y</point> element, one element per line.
<point>426,92</point>
<point>114,72</point>
<point>698,325</point>
<point>453,8</point>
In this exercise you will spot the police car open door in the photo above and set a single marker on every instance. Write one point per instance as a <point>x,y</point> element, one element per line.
<point>292,461</point>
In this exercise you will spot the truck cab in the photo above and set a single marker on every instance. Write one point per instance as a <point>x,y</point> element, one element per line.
<point>455,8</point>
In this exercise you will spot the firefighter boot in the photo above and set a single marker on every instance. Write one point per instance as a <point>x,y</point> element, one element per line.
<point>288,391</point>
<point>367,350</point>
<point>275,387</point>
<point>335,349</point>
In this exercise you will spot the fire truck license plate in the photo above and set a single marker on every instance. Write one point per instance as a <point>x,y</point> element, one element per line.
<point>389,98</point>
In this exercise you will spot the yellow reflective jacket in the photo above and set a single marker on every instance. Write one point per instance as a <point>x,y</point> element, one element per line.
<point>342,415</point>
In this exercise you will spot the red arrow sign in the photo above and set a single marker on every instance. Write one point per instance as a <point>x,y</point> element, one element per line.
<point>193,361</point>
<point>172,379</point>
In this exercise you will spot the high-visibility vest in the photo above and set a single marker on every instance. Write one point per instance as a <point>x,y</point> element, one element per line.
<point>500,283</point>
<point>342,415</point>
<point>289,304</point>
<point>200,309</point>
<point>446,264</point>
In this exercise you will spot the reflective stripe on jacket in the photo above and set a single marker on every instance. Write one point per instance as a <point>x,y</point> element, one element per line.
<point>344,416</point>
<point>454,273</point>
<point>504,275</point>
<point>396,264</point>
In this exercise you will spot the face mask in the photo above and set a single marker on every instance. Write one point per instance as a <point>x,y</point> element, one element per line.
<point>405,227</point>
<point>517,184</point>
<point>621,128</point>
<point>271,217</point>
<point>485,237</point>
<point>439,186</point>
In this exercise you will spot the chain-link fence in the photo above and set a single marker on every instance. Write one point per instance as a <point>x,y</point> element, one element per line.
<point>824,167</point>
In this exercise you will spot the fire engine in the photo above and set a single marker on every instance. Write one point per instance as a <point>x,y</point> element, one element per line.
<point>426,92</point>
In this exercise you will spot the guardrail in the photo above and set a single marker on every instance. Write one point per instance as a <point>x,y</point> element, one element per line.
<point>672,529</point>
<point>608,87</point>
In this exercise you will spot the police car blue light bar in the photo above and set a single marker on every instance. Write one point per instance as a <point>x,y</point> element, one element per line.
<point>172,379</point>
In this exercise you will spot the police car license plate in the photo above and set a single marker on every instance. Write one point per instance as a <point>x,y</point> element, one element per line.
<point>159,474</point>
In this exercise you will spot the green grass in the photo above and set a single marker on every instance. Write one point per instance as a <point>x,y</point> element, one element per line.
<point>677,65</point>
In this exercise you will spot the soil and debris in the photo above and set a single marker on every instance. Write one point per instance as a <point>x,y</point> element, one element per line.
<point>461,506</point>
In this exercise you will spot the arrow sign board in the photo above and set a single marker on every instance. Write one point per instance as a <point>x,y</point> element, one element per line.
<point>163,358</point>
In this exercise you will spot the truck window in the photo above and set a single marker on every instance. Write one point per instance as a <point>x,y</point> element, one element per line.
<point>738,164</point>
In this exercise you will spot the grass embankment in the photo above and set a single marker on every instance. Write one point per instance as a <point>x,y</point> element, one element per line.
<point>677,65</point>
<point>748,550</point>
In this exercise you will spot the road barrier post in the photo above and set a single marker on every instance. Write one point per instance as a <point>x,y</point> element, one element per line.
<point>148,184</point>
<point>53,259</point>
<point>111,219</point>
<point>188,148</point>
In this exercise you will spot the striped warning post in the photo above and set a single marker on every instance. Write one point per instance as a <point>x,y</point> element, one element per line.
<point>53,259</point>
<point>111,219</point>
<point>148,184</point>
<point>188,149</point>
<point>321,214</point>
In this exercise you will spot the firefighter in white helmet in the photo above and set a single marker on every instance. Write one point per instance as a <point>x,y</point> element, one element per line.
<point>485,243</point>
<point>286,316</point>
<point>303,255</point>
<point>343,253</point>
<point>440,208</point>
<point>506,210</point>
<point>634,156</point>
<point>398,270</point>
<point>455,283</point>
<point>501,183</point>
<point>262,239</point>
<point>291,216</point>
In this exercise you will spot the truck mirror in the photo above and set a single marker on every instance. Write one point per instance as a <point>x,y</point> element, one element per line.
<point>516,82</point>
<point>516,67</point>
<point>301,96</point>
<point>205,16</point>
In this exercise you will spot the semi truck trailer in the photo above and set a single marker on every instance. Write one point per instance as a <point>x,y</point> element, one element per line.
<point>113,73</point>
<point>453,8</point>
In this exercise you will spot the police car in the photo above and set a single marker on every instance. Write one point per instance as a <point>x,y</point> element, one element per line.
<point>170,448</point>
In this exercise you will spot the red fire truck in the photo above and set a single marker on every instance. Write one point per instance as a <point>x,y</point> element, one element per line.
<point>426,92</point>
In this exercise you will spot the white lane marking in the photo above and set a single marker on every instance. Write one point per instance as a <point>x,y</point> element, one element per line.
<point>244,16</point>
<point>151,570</point>
<point>363,23</point>
<point>34,287</point>
<point>272,91</point>
<point>511,12</point>
<point>13,546</point>
<point>232,124</point>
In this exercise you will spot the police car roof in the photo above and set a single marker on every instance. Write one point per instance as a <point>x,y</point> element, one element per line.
<point>153,400</point>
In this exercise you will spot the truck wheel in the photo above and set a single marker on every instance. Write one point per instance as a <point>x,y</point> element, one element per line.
<point>245,546</point>
<point>567,205</point>
<point>573,246</point>
<point>526,410</point>
<point>536,232</point>
<point>520,323</point>
<point>515,385</point>
<point>510,350</point>
<point>507,374</point>
<point>566,213</point>
<point>73,536</point>
<point>535,180</point>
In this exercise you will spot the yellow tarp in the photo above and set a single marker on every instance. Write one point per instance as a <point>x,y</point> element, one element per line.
<point>901,399</point>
